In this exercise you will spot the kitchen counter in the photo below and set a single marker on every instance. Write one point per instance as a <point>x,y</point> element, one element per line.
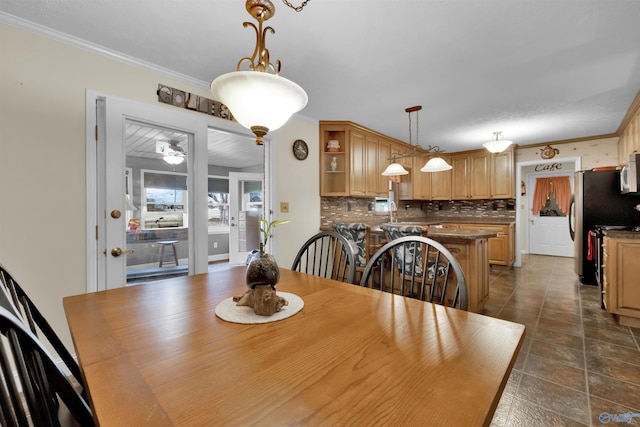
<point>621,234</point>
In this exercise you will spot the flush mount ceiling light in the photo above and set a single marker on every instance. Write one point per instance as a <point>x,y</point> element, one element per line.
<point>260,99</point>
<point>497,144</point>
<point>172,153</point>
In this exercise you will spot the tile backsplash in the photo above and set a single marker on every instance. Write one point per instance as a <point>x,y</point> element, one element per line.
<point>353,209</point>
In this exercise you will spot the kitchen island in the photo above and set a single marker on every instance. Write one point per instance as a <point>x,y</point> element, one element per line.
<point>470,248</point>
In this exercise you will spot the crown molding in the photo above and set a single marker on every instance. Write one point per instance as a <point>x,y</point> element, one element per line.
<point>634,108</point>
<point>46,32</point>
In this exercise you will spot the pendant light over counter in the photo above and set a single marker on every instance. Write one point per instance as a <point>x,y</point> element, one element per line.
<point>435,164</point>
<point>260,99</point>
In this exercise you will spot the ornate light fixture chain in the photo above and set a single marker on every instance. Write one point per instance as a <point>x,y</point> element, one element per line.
<point>296,8</point>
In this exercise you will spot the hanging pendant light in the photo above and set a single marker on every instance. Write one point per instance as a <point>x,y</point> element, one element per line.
<point>497,144</point>
<point>259,99</point>
<point>436,164</point>
<point>395,169</point>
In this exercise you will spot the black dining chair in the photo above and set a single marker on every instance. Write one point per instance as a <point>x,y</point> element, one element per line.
<point>417,267</point>
<point>327,254</point>
<point>34,391</point>
<point>21,305</point>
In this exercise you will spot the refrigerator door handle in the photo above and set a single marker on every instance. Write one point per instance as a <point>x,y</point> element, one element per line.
<point>572,228</point>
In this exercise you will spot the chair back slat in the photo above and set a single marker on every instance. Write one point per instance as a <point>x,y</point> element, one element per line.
<point>327,254</point>
<point>46,392</point>
<point>417,267</point>
<point>24,309</point>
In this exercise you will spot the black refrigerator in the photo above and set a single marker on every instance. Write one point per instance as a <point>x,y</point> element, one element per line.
<point>597,201</point>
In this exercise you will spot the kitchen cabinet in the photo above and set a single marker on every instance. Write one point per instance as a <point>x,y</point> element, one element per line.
<point>362,156</point>
<point>460,177</point>
<point>405,186</point>
<point>473,258</point>
<point>334,180</point>
<point>421,180</point>
<point>470,176</point>
<point>501,174</point>
<point>502,247</point>
<point>621,288</point>
<point>441,183</point>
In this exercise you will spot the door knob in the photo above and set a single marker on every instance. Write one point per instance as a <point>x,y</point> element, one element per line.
<point>118,251</point>
<point>116,214</point>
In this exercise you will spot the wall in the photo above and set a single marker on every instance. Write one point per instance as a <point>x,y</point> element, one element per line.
<point>42,162</point>
<point>594,153</point>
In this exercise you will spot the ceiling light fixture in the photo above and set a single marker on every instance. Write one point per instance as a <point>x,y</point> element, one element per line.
<point>172,152</point>
<point>435,164</point>
<point>497,144</point>
<point>260,99</point>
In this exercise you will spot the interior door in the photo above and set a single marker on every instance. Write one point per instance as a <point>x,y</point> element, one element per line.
<point>548,235</point>
<point>144,205</point>
<point>246,200</point>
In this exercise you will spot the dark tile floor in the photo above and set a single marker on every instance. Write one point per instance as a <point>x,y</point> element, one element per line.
<point>576,364</point>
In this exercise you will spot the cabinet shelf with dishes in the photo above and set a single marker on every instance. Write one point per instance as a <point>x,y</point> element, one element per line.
<point>334,160</point>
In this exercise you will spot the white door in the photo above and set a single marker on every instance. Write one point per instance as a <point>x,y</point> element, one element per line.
<point>117,241</point>
<point>548,235</point>
<point>246,200</point>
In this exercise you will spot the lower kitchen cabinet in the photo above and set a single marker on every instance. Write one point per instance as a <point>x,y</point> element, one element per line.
<point>621,289</point>
<point>501,248</point>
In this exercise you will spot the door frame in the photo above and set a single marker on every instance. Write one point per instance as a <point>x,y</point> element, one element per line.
<point>165,116</point>
<point>520,229</point>
<point>531,181</point>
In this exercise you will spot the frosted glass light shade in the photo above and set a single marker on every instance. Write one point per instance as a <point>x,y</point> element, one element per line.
<point>436,164</point>
<point>395,169</point>
<point>173,158</point>
<point>259,98</point>
<point>497,146</point>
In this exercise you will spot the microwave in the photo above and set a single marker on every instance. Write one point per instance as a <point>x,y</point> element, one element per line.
<point>630,174</point>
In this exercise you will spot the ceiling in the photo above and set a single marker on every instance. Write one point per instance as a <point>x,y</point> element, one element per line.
<point>224,148</point>
<point>537,70</point>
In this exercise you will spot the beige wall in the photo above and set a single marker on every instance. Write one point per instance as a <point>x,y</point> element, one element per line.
<point>42,162</point>
<point>593,153</point>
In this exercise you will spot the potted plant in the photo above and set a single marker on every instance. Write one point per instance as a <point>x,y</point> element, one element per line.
<point>263,274</point>
<point>262,268</point>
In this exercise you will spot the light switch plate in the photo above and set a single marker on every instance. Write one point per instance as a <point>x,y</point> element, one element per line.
<point>284,207</point>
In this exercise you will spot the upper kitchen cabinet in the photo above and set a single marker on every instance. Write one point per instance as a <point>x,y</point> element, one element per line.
<point>334,159</point>
<point>352,160</point>
<point>421,180</point>
<point>441,182</point>
<point>501,175</point>
<point>629,141</point>
<point>470,175</point>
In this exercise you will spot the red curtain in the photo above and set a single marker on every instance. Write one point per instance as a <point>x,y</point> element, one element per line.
<point>560,186</point>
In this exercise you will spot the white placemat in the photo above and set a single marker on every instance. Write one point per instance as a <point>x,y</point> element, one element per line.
<point>228,310</point>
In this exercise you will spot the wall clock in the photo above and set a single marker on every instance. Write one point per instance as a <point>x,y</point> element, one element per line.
<point>300,149</point>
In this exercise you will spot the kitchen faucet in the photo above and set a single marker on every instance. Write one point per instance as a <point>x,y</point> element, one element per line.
<point>392,208</point>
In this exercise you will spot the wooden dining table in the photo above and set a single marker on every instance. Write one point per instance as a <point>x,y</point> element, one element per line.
<point>156,354</point>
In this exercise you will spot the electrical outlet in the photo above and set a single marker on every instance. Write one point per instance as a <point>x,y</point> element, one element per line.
<point>284,207</point>
<point>215,245</point>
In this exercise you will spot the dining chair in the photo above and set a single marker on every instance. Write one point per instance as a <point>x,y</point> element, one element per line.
<point>34,391</point>
<point>359,236</point>
<point>21,305</point>
<point>327,254</point>
<point>417,267</point>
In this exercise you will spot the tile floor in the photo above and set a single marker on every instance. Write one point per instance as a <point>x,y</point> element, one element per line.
<point>576,362</point>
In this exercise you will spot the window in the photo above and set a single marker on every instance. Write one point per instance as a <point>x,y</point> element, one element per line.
<point>165,196</point>
<point>218,205</point>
